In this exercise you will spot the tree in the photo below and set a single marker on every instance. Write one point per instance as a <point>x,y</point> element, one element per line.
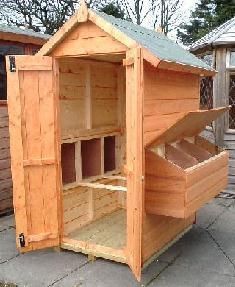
<point>114,9</point>
<point>137,10</point>
<point>48,15</point>
<point>207,15</point>
<point>166,14</point>
<point>39,15</point>
<point>163,13</point>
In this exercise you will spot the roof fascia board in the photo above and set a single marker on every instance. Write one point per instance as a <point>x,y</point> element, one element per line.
<point>185,68</point>
<point>149,57</point>
<point>167,65</point>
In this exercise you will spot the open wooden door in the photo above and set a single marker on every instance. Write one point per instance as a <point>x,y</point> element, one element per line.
<point>33,109</point>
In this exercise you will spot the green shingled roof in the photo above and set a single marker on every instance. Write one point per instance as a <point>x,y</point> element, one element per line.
<point>157,43</point>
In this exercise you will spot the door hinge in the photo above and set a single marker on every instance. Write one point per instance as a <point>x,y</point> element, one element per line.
<point>21,240</point>
<point>12,61</point>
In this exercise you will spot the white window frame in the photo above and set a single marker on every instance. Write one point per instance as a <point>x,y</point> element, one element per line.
<point>228,54</point>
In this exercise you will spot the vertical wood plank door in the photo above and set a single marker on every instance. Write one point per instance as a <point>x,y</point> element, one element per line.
<point>33,113</point>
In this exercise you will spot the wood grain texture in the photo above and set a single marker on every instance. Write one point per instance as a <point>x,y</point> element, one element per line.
<point>34,123</point>
<point>6,196</point>
<point>134,124</point>
<point>179,192</point>
<point>87,39</point>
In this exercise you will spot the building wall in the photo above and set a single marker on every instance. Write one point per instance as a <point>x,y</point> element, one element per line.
<point>6,200</point>
<point>5,169</point>
<point>223,135</point>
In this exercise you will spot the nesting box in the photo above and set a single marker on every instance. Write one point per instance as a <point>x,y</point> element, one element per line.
<point>104,133</point>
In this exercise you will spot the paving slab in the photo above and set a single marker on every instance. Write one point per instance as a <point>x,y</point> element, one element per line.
<point>187,276</point>
<point>40,268</point>
<point>197,249</point>
<point>7,246</point>
<point>104,273</point>
<point>223,232</point>
<point>209,213</point>
<point>223,201</point>
<point>7,222</point>
<point>201,258</point>
<point>100,273</point>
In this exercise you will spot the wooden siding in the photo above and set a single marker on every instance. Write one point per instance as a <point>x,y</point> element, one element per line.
<point>167,94</point>
<point>5,164</point>
<point>88,39</point>
<point>88,89</point>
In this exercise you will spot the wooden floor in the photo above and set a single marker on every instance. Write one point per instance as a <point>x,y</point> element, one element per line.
<point>108,231</point>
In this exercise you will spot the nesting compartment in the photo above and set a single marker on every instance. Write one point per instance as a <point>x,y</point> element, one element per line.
<point>183,171</point>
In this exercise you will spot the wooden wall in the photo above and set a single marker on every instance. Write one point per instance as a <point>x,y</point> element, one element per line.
<point>88,39</point>
<point>166,95</point>
<point>5,164</point>
<point>88,94</point>
<point>83,205</point>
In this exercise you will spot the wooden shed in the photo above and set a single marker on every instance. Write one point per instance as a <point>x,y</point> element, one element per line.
<point>13,41</point>
<point>217,48</point>
<point>106,157</point>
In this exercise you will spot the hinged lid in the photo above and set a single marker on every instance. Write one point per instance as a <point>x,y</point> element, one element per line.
<point>189,125</point>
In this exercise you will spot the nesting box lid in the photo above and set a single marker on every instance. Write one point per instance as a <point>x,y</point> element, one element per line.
<point>189,125</point>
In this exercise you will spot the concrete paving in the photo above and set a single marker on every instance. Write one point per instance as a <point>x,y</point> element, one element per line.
<point>204,257</point>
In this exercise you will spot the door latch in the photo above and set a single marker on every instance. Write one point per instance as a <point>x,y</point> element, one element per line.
<point>21,240</point>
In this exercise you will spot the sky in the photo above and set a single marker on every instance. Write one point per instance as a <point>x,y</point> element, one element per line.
<point>187,7</point>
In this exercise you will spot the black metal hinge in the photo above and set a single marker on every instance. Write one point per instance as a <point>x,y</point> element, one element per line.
<point>12,61</point>
<point>21,240</point>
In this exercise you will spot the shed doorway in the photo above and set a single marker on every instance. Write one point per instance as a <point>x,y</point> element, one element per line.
<point>93,153</point>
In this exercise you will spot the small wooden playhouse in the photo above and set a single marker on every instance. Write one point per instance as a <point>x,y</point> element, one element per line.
<point>106,157</point>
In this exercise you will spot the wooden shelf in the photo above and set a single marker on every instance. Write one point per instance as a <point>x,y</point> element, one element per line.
<point>74,135</point>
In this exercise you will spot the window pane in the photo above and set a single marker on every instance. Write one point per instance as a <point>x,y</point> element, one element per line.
<point>206,93</point>
<point>232,59</point>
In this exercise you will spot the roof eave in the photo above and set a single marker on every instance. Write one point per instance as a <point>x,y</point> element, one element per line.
<point>175,66</point>
<point>22,38</point>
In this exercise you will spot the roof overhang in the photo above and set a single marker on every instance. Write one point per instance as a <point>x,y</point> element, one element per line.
<point>26,39</point>
<point>179,67</point>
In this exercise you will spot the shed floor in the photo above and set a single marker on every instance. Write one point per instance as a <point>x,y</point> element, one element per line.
<point>108,231</point>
